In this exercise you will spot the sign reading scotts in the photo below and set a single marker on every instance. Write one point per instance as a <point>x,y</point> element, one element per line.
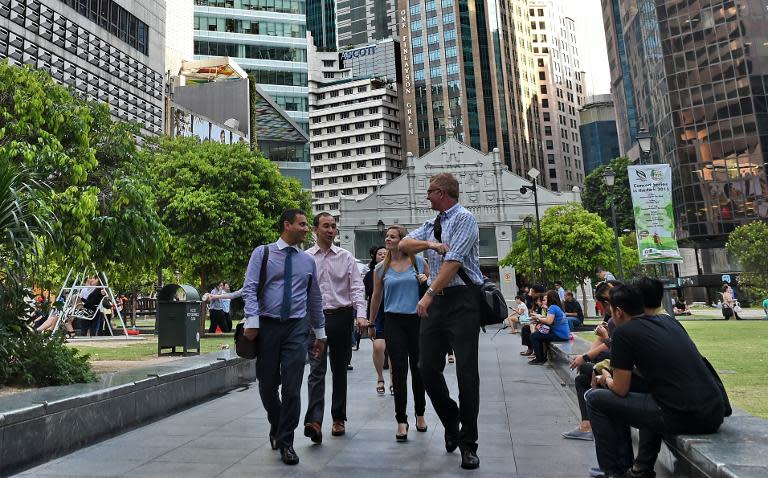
<point>651,187</point>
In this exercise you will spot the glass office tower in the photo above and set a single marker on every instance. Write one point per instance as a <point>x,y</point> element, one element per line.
<point>267,38</point>
<point>321,21</point>
<point>470,63</point>
<point>700,74</point>
<point>364,22</point>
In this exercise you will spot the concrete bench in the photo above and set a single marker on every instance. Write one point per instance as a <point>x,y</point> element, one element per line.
<point>41,424</point>
<point>738,449</point>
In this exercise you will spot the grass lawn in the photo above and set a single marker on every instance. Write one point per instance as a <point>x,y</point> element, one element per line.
<point>144,350</point>
<point>739,352</point>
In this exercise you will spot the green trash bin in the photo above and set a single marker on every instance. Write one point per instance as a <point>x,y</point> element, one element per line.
<point>178,320</point>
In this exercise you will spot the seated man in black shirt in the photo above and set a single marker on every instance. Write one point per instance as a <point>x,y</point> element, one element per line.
<point>573,311</point>
<point>683,395</point>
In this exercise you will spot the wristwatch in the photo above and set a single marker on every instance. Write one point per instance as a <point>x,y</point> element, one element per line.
<point>430,291</point>
<point>586,358</point>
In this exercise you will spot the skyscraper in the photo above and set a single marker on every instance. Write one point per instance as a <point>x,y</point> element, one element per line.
<point>561,93</point>
<point>321,21</point>
<point>597,128</point>
<point>700,79</point>
<point>102,50</point>
<point>362,22</point>
<point>470,63</point>
<point>268,40</point>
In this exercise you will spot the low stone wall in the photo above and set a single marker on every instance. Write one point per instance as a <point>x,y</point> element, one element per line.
<point>41,424</point>
<point>738,449</point>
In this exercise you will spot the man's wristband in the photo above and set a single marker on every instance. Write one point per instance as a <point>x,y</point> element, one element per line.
<point>430,291</point>
<point>586,358</point>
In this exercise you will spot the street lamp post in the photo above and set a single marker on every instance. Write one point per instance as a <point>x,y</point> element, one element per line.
<point>609,176</point>
<point>380,227</point>
<point>528,225</point>
<point>533,174</point>
<point>644,142</point>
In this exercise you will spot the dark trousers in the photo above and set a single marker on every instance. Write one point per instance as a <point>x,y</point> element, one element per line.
<point>401,332</point>
<point>280,364</point>
<point>525,335</point>
<point>613,416</point>
<point>217,318</point>
<point>338,327</point>
<point>453,323</point>
<point>582,383</point>
<point>91,325</point>
<point>227,327</point>
<point>538,340</point>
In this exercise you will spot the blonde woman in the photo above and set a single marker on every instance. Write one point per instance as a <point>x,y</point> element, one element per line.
<point>396,282</point>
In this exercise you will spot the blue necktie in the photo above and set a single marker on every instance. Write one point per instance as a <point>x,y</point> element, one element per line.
<point>285,308</point>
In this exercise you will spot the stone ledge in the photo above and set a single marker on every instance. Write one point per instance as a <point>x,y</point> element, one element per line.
<point>41,424</point>
<point>738,450</point>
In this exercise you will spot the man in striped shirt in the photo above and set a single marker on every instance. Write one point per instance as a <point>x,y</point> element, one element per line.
<point>450,312</point>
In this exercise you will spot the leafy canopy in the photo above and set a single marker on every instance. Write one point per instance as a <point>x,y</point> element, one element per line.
<point>597,196</point>
<point>749,243</point>
<point>574,241</point>
<point>218,202</point>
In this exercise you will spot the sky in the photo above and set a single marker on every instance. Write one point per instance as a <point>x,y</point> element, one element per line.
<point>591,35</point>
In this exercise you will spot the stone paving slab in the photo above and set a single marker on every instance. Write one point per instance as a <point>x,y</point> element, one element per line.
<point>523,411</point>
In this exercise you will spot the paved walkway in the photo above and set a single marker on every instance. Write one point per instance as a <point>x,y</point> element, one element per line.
<point>523,411</point>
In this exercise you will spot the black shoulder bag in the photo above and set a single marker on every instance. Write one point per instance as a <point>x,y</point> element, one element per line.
<point>248,349</point>
<point>493,307</point>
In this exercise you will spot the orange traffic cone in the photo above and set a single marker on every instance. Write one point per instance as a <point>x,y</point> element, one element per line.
<point>218,330</point>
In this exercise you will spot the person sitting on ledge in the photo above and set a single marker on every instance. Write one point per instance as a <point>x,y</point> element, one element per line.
<point>683,397</point>
<point>573,311</point>
<point>681,308</point>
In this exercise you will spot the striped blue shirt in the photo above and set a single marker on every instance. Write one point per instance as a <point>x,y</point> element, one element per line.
<point>462,236</point>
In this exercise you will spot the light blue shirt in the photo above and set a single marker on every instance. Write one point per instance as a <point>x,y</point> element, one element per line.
<point>462,236</point>
<point>303,303</point>
<point>216,304</point>
<point>561,294</point>
<point>401,289</point>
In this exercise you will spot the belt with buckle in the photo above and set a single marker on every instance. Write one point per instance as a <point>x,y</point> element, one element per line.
<point>278,319</point>
<point>452,290</point>
<point>340,310</point>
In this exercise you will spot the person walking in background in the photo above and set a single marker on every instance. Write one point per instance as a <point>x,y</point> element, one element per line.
<point>279,314</point>
<point>225,309</point>
<point>450,312</point>
<point>343,299</point>
<point>604,275</point>
<point>560,291</point>
<point>396,284</point>
<point>376,323</point>
<point>216,309</point>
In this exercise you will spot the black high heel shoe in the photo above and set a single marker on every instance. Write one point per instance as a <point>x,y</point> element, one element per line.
<point>420,429</point>
<point>404,437</point>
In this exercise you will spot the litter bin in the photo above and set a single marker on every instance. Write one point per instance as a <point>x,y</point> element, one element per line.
<point>178,320</point>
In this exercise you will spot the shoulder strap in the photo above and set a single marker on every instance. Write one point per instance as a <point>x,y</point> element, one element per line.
<point>415,264</point>
<point>464,276</point>
<point>263,270</point>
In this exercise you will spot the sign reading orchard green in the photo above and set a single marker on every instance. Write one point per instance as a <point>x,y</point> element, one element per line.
<point>651,187</point>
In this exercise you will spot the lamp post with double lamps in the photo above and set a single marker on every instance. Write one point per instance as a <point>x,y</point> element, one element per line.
<point>609,176</point>
<point>533,173</point>
<point>528,225</point>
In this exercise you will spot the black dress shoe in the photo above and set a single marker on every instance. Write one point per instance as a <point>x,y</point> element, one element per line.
<point>469,460</point>
<point>289,456</point>
<point>451,441</point>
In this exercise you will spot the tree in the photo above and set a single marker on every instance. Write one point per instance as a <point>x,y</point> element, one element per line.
<point>218,202</point>
<point>101,208</point>
<point>575,242</point>
<point>597,196</point>
<point>749,243</point>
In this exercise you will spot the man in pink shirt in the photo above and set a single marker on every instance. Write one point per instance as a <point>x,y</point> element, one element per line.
<point>341,286</point>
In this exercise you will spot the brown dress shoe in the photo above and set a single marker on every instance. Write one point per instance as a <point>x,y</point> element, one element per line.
<point>338,429</point>
<point>313,430</point>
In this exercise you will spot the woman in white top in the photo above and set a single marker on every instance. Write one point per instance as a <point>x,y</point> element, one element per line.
<point>519,315</point>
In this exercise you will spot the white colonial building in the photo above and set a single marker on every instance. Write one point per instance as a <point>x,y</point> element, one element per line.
<point>488,189</point>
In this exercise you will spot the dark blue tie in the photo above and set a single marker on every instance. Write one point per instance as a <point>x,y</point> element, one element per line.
<point>285,308</point>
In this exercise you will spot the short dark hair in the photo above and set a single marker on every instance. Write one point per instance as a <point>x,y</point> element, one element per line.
<point>538,289</point>
<point>568,292</point>
<point>557,282</point>
<point>602,289</point>
<point>316,219</point>
<point>651,289</point>
<point>520,296</point>
<point>628,298</point>
<point>290,216</point>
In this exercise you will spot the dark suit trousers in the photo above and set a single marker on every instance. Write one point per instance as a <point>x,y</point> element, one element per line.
<point>453,323</point>
<point>338,328</point>
<point>280,364</point>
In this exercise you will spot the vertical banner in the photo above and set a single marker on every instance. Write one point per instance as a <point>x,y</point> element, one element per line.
<point>651,187</point>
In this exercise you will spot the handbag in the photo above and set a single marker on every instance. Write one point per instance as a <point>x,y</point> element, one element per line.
<point>245,348</point>
<point>422,286</point>
<point>737,308</point>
